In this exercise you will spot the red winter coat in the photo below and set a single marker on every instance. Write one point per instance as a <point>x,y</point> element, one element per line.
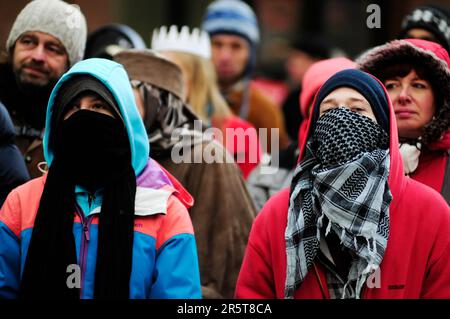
<point>416,263</point>
<point>433,164</point>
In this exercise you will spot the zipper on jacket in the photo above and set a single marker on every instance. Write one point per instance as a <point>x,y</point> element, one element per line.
<point>91,199</point>
<point>86,222</point>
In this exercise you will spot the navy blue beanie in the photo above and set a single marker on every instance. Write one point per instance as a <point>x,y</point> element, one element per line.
<point>366,85</point>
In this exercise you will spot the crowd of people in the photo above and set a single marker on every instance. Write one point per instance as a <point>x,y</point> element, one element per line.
<point>139,172</point>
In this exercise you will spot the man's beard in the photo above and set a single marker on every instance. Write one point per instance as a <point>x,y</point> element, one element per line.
<point>31,86</point>
<point>34,94</point>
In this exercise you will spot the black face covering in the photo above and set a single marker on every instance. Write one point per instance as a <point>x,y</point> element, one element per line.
<point>341,136</point>
<point>94,145</point>
<point>91,150</point>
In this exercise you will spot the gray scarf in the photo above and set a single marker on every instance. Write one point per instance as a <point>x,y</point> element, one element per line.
<point>165,115</point>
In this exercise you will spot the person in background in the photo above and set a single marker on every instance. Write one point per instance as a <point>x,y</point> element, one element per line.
<point>104,206</point>
<point>428,22</point>
<point>233,28</point>
<point>110,39</point>
<point>47,37</point>
<point>192,53</point>
<point>351,217</point>
<point>417,78</point>
<point>223,212</point>
<point>13,171</point>
<point>304,52</point>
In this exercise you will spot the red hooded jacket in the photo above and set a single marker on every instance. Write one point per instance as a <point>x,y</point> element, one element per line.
<point>433,164</point>
<point>241,140</point>
<point>433,159</point>
<point>416,263</point>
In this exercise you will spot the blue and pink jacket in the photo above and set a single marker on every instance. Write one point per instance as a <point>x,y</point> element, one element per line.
<point>165,262</point>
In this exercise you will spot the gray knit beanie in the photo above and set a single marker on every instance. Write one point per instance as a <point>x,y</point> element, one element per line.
<point>57,18</point>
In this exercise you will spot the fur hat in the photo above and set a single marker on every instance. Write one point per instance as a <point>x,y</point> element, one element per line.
<point>426,54</point>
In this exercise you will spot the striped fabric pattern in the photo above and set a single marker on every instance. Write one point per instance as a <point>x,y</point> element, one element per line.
<point>232,16</point>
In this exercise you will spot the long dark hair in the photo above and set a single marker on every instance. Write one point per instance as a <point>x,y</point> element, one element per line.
<point>433,130</point>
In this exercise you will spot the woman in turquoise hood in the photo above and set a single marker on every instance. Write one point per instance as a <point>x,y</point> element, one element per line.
<point>106,221</point>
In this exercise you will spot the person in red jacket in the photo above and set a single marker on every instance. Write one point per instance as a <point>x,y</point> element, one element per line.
<point>417,78</point>
<point>352,225</point>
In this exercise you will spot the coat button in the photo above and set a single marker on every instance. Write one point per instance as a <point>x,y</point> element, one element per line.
<point>28,159</point>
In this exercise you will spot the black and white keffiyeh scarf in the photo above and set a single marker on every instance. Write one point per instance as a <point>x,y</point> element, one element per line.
<point>343,176</point>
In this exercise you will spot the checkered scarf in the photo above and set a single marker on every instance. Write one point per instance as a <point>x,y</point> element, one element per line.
<point>337,288</point>
<point>343,175</point>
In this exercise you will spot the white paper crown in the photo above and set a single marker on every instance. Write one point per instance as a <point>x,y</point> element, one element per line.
<point>197,42</point>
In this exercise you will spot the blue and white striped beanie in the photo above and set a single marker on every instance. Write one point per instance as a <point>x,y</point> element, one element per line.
<point>234,17</point>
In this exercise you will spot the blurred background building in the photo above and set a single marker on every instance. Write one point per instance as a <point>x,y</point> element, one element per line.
<point>341,22</point>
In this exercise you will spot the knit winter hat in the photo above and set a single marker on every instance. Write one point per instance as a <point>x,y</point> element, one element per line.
<point>365,84</point>
<point>435,19</point>
<point>57,18</point>
<point>234,17</point>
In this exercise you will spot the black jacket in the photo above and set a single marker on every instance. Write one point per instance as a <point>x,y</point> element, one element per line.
<point>13,171</point>
<point>27,113</point>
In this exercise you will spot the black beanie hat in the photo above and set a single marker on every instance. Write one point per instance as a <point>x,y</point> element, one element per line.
<point>433,18</point>
<point>77,85</point>
<point>365,84</point>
